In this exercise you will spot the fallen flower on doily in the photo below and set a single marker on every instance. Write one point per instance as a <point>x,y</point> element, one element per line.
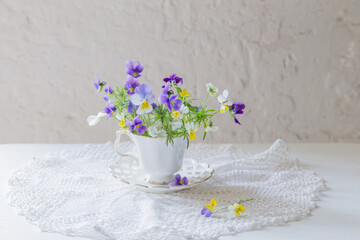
<point>234,210</point>
<point>178,181</point>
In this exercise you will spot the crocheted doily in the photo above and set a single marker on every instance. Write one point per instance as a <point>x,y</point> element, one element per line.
<point>71,192</point>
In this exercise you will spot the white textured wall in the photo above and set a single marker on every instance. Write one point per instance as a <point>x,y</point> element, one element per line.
<point>295,64</point>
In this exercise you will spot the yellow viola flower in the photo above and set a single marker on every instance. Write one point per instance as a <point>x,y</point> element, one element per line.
<point>184,93</point>
<point>212,204</point>
<point>122,123</point>
<point>192,135</point>
<point>175,114</point>
<point>209,208</point>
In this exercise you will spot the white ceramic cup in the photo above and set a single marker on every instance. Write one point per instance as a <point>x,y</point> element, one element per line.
<point>158,161</point>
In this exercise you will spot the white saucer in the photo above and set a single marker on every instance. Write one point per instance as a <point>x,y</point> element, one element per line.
<point>128,172</point>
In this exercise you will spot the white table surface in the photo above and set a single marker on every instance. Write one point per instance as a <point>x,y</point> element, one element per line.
<point>337,215</point>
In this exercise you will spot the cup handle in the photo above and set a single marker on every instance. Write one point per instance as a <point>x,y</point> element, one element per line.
<point>118,136</point>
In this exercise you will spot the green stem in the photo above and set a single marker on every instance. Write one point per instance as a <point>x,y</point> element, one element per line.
<point>241,201</point>
<point>205,105</point>
<point>214,113</point>
<point>207,95</point>
<point>133,107</point>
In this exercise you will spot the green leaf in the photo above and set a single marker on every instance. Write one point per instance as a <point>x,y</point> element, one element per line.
<point>204,136</point>
<point>178,90</point>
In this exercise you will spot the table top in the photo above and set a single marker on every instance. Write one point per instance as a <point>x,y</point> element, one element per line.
<point>337,215</point>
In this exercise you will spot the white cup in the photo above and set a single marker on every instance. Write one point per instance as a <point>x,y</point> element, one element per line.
<point>158,161</point>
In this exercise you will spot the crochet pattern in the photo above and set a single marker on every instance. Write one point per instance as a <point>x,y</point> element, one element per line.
<point>72,193</point>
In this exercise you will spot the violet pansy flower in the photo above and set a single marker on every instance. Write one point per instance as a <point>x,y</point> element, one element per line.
<point>131,108</point>
<point>134,68</point>
<point>173,79</point>
<point>166,88</point>
<point>136,123</point>
<point>110,109</point>
<point>108,92</point>
<point>209,208</point>
<point>143,98</point>
<point>237,108</point>
<point>178,181</point>
<point>171,102</point>
<point>98,85</point>
<point>131,83</point>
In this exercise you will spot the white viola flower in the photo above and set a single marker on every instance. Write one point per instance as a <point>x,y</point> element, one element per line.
<point>156,130</point>
<point>121,118</point>
<point>211,129</point>
<point>179,114</point>
<point>189,126</point>
<point>93,120</point>
<point>184,109</point>
<point>222,99</point>
<point>211,89</point>
<point>236,209</point>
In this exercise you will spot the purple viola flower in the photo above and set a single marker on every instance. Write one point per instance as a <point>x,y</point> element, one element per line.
<point>237,108</point>
<point>131,83</point>
<point>131,108</point>
<point>173,79</point>
<point>143,98</point>
<point>136,123</point>
<point>98,85</point>
<point>206,212</point>
<point>110,109</point>
<point>171,102</point>
<point>166,88</point>
<point>108,92</point>
<point>134,68</point>
<point>178,181</point>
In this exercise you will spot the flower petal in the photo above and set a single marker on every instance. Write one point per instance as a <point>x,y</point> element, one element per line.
<point>204,211</point>
<point>177,104</point>
<point>163,99</point>
<point>168,106</point>
<point>208,214</point>
<point>141,129</point>
<point>185,181</point>
<point>221,99</point>
<point>153,131</point>
<point>144,108</point>
<point>146,88</point>
<point>225,93</point>
<point>137,121</point>
<point>173,184</point>
<point>93,120</point>
<point>177,178</point>
<point>136,99</point>
<point>236,121</point>
<point>241,209</point>
<point>150,97</point>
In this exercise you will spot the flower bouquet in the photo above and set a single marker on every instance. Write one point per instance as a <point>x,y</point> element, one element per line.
<point>165,123</point>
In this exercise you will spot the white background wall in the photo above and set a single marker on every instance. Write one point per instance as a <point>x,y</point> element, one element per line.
<point>295,64</point>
